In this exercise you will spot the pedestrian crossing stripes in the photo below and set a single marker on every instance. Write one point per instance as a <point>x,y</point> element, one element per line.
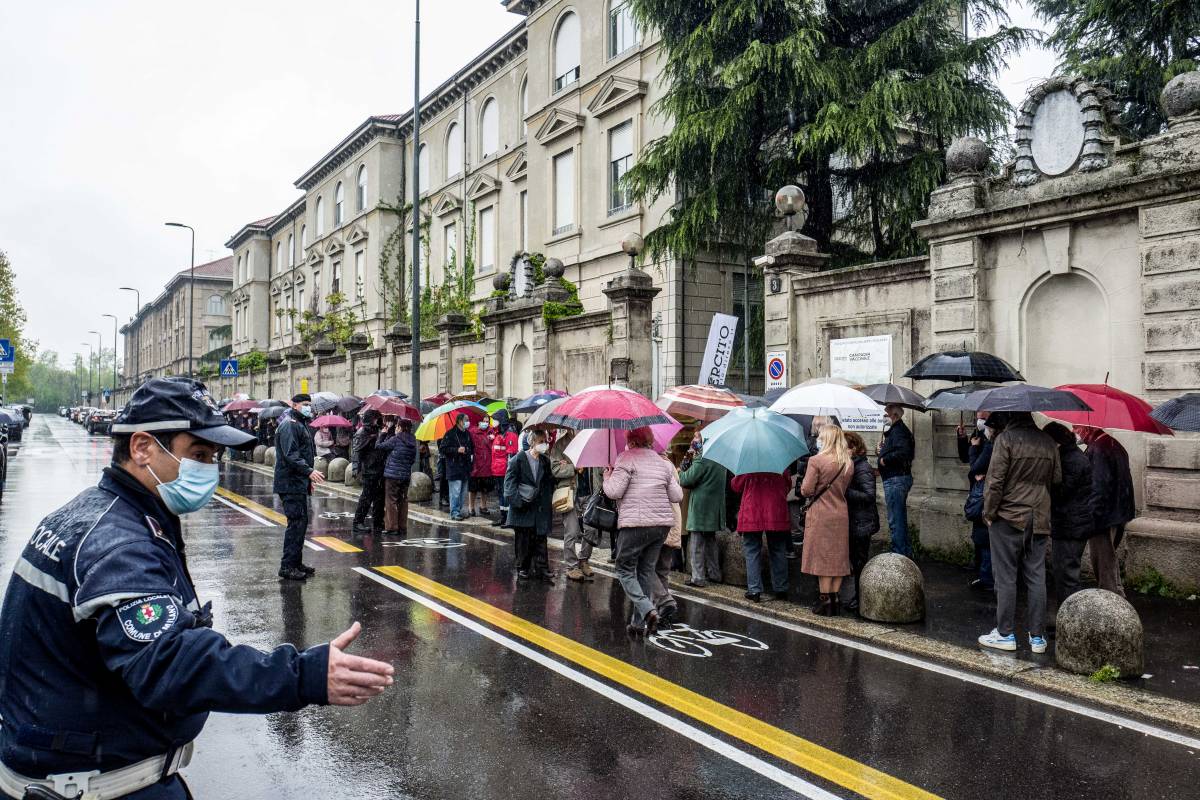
<point>336,544</point>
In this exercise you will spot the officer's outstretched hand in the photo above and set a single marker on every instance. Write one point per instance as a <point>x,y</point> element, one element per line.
<point>353,680</point>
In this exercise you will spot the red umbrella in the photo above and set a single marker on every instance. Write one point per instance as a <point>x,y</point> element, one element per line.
<point>392,407</point>
<point>330,421</point>
<point>1111,408</point>
<point>438,399</point>
<point>242,405</point>
<point>602,407</point>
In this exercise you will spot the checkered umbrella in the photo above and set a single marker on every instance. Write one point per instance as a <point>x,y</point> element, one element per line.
<point>963,365</point>
<point>1181,413</point>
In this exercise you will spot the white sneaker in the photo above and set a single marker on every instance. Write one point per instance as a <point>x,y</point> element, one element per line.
<point>1037,643</point>
<point>997,642</point>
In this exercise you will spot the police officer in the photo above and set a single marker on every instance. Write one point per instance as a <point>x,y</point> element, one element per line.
<point>109,665</point>
<point>295,454</point>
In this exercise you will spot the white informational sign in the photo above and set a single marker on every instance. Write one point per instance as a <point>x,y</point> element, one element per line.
<point>719,351</point>
<point>862,360</point>
<point>866,423</point>
<point>777,370</point>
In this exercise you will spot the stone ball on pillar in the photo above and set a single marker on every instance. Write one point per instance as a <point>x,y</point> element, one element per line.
<point>891,589</point>
<point>968,155</point>
<point>502,281</point>
<point>554,268</point>
<point>1096,627</point>
<point>1181,95</point>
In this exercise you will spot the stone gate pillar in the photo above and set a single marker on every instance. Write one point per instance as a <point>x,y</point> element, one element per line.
<point>448,326</point>
<point>789,255</point>
<point>630,296</point>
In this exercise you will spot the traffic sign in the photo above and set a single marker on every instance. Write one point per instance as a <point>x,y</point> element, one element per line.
<point>777,370</point>
<point>8,356</point>
<point>229,367</point>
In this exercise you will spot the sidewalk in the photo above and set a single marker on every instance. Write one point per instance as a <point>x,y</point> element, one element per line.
<point>955,616</point>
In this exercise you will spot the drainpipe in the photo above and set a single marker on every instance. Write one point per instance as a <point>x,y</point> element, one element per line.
<point>656,340</point>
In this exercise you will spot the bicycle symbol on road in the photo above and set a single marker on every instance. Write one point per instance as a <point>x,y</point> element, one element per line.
<point>687,641</point>
<point>337,515</point>
<point>427,543</point>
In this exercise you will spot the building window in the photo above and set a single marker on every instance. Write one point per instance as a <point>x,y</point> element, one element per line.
<point>450,243</point>
<point>291,306</point>
<point>566,52</point>
<point>291,251</point>
<point>423,169</point>
<point>316,292</point>
<point>361,193</point>
<point>320,216</point>
<point>622,31</point>
<point>216,304</point>
<point>564,192</point>
<point>620,159</point>
<point>271,321</point>
<point>279,256</point>
<point>487,239</point>
<point>339,198</point>
<point>303,239</point>
<point>336,286</point>
<point>489,128</point>
<point>360,260</point>
<point>454,153</point>
<point>524,222</point>
<point>522,127</point>
<point>752,321</point>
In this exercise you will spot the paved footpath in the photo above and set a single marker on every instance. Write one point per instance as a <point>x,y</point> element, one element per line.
<point>513,691</point>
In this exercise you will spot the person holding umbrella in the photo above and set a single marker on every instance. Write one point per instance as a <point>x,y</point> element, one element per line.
<point>529,485</point>
<point>1113,504</point>
<point>457,451</point>
<point>367,461</point>
<point>706,513</point>
<point>401,449</point>
<point>1071,517</point>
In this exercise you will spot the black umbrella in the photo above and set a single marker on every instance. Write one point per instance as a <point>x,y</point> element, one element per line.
<point>1022,397</point>
<point>963,365</point>
<point>272,404</point>
<point>890,394</point>
<point>771,395</point>
<point>956,398</point>
<point>348,404</point>
<point>272,412</point>
<point>1181,413</point>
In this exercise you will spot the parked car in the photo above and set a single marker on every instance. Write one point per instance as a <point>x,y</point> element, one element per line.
<point>81,415</point>
<point>100,421</point>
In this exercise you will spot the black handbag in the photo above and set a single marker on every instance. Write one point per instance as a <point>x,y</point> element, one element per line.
<point>600,513</point>
<point>973,507</point>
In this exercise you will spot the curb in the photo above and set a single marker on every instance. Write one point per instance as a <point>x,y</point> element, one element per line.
<point>1112,697</point>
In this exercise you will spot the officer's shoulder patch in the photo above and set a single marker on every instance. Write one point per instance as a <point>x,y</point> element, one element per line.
<point>148,618</point>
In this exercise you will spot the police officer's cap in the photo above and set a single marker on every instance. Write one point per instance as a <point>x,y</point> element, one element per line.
<point>170,405</point>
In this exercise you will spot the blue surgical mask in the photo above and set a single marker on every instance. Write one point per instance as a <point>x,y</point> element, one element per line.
<point>306,411</point>
<point>194,487</point>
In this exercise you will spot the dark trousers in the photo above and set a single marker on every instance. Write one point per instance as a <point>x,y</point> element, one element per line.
<point>532,556</point>
<point>1019,556</point>
<point>295,508</point>
<point>396,517</point>
<point>370,501</point>
<point>1066,556</point>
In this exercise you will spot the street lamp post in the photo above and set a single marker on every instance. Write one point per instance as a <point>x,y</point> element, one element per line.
<point>416,210</point>
<point>114,319</point>
<point>137,336</point>
<point>91,356</point>
<point>191,292</point>
<point>99,360</point>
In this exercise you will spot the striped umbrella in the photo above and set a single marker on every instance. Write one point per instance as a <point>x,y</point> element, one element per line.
<point>702,403</point>
<point>442,418</point>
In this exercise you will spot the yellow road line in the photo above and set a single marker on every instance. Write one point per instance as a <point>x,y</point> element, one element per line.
<point>247,503</point>
<point>806,755</point>
<point>334,543</point>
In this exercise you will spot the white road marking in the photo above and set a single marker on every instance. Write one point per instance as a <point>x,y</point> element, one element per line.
<point>313,546</point>
<point>250,514</point>
<point>742,757</point>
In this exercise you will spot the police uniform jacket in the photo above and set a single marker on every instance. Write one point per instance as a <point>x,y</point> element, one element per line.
<point>105,659</point>
<point>295,452</point>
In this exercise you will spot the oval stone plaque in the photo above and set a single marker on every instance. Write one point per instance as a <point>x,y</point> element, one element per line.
<point>1057,133</point>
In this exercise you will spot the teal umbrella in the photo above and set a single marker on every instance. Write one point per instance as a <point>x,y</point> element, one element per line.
<point>754,440</point>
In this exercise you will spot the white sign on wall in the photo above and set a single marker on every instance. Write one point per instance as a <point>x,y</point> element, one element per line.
<point>777,370</point>
<point>861,360</point>
<point>719,351</point>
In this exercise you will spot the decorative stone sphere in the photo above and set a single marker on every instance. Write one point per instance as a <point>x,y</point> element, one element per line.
<point>260,453</point>
<point>337,470</point>
<point>633,244</point>
<point>553,268</point>
<point>269,457</point>
<point>420,488</point>
<point>968,155</point>
<point>502,281</point>
<point>790,200</point>
<point>891,589</point>
<point>1097,627</point>
<point>353,478</point>
<point>321,465</point>
<point>1181,95</point>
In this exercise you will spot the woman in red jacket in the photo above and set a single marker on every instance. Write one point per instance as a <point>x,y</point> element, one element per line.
<point>504,447</point>
<point>480,485</point>
<point>764,510</point>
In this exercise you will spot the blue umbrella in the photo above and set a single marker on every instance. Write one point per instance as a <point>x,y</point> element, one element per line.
<point>750,440</point>
<point>536,401</point>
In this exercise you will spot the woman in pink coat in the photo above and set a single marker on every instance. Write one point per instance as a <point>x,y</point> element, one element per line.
<point>827,523</point>
<point>644,485</point>
<point>764,512</point>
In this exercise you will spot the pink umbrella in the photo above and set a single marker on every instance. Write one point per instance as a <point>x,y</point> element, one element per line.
<point>597,447</point>
<point>330,421</point>
<point>603,407</point>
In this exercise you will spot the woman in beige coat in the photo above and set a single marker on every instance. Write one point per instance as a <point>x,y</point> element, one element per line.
<point>827,522</point>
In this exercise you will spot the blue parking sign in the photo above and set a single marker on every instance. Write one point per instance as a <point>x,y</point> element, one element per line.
<point>229,367</point>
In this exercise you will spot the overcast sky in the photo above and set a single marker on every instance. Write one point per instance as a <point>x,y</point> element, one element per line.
<point>117,116</point>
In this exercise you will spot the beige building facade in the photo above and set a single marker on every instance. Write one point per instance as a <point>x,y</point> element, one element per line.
<point>156,340</point>
<point>521,152</point>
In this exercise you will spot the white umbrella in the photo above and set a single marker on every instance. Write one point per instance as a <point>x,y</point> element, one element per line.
<point>826,399</point>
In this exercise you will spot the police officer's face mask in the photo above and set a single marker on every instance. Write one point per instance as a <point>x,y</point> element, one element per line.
<point>194,487</point>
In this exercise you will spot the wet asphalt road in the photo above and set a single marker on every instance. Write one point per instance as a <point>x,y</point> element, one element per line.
<point>474,717</point>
